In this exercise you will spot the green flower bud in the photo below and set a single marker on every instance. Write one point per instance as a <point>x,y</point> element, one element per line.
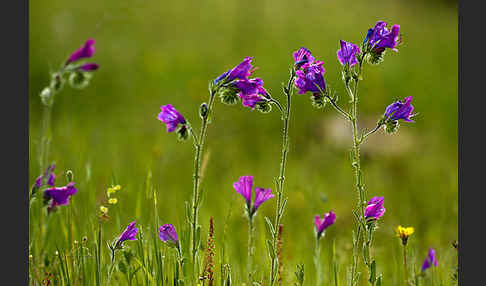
<point>79,79</point>
<point>318,101</point>
<point>391,126</point>
<point>69,176</point>
<point>57,82</point>
<point>229,95</point>
<point>47,96</point>
<point>182,133</point>
<point>375,57</point>
<point>203,110</point>
<point>264,106</point>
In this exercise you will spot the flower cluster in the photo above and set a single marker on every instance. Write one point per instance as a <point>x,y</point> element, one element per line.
<point>236,83</point>
<point>379,38</point>
<point>111,200</point>
<point>322,223</point>
<point>244,187</point>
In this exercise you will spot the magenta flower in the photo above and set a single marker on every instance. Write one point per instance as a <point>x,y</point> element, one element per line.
<point>347,54</point>
<point>59,196</point>
<point>167,233</point>
<point>241,71</point>
<point>375,208</point>
<point>85,51</point>
<point>430,260</point>
<point>251,91</point>
<point>244,186</point>
<point>380,37</point>
<point>171,117</point>
<point>89,67</point>
<point>130,233</point>
<point>400,110</point>
<point>310,78</point>
<point>321,224</point>
<point>302,56</point>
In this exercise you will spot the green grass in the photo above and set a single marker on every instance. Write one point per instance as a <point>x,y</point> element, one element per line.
<point>153,53</point>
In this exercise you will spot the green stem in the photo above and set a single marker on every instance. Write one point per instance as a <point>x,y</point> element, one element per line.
<point>199,144</point>
<point>317,262</point>
<point>250,250</point>
<point>405,264</point>
<point>281,179</point>
<point>46,137</point>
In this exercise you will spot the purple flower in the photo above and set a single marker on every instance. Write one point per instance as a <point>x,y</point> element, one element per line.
<point>59,196</point>
<point>261,196</point>
<point>430,260</point>
<point>89,67</point>
<point>49,174</point>
<point>244,187</point>
<point>347,53</point>
<point>321,224</point>
<point>309,77</point>
<point>302,56</point>
<point>167,233</point>
<point>241,71</point>
<point>251,91</point>
<point>400,110</point>
<point>130,233</point>
<point>375,208</point>
<point>171,117</point>
<point>380,37</point>
<point>85,51</point>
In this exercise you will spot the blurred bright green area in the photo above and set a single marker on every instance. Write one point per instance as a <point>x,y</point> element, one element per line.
<point>153,53</point>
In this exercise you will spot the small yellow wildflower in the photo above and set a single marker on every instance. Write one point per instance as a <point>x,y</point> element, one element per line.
<point>117,188</point>
<point>404,233</point>
<point>113,190</point>
<point>113,201</point>
<point>103,209</point>
<point>30,256</point>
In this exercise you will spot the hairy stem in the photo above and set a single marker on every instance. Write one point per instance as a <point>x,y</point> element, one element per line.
<point>281,179</point>
<point>405,268</point>
<point>199,144</point>
<point>250,251</point>
<point>317,262</point>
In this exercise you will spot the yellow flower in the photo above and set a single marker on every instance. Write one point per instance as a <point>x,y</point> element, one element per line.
<point>113,201</point>
<point>112,190</point>
<point>117,188</point>
<point>103,209</point>
<point>404,233</point>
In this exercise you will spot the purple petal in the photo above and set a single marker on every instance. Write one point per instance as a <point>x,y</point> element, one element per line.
<point>167,232</point>
<point>261,196</point>
<point>321,224</point>
<point>129,233</point>
<point>243,186</point>
<point>302,56</point>
<point>171,117</point>
<point>89,67</point>
<point>85,51</point>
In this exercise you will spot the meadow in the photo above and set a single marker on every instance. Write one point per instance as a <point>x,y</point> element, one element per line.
<point>152,54</point>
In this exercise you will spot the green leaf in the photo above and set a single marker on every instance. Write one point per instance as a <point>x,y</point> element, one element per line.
<point>366,253</point>
<point>378,281</point>
<point>271,250</point>
<point>282,208</point>
<point>270,227</point>
<point>188,212</point>
<point>373,272</point>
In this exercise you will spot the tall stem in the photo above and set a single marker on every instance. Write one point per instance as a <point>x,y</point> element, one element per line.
<point>317,262</point>
<point>250,250</point>
<point>405,268</point>
<point>281,179</point>
<point>197,175</point>
<point>46,137</point>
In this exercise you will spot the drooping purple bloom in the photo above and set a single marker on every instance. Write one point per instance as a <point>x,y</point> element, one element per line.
<point>241,71</point>
<point>49,174</point>
<point>251,91</point>
<point>171,117</point>
<point>309,77</point>
<point>302,56</point>
<point>85,51</point>
<point>347,53</point>
<point>167,233</point>
<point>59,196</point>
<point>130,233</point>
<point>244,186</point>
<point>400,110</point>
<point>430,260</point>
<point>89,67</point>
<point>321,224</point>
<point>381,37</point>
<point>261,196</point>
<point>375,208</point>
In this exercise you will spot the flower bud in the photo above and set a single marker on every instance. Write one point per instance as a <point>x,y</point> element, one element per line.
<point>79,79</point>
<point>391,126</point>
<point>57,82</point>
<point>47,96</point>
<point>69,176</point>
<point>264,106</point>
<point>318,100</point>
<point>203,110</point>
<point>376,56</point>
<point>229,95</point>
<point>182,133</point>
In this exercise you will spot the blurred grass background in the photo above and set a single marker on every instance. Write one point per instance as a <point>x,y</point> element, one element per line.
<point>158,52</point>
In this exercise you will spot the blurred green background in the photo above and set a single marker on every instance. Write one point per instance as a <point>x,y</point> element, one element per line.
<point>153,53</point>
